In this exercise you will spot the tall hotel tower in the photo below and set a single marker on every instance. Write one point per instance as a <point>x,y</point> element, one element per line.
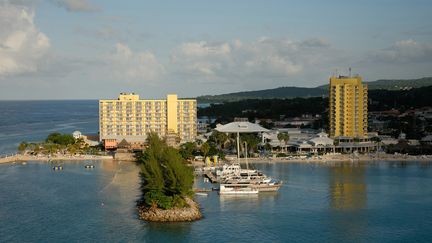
<point>348,107</point>
<point>131,118</point>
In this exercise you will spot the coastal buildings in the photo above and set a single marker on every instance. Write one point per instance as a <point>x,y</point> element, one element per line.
<point>132,118</point>
<point>348,107</point>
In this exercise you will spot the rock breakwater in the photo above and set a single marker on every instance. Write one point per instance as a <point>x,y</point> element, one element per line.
<point>153,214</point>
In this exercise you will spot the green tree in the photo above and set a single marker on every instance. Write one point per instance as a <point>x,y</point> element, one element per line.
<point>283,136</point>
<point>267,147</point>
<point>219,138</point>
<point>251,139</point>
<point>205,148</point>
<point>187,150</point>
<point>58,138</point>
<point>166,179</point>
<point>22,147</point>
<point>213,150</point>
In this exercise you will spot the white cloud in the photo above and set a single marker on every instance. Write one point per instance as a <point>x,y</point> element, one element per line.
<point>75,5</point>
<point>22,45</point>
<point>263,58</point>
<point>406,51</point>
<point>140,66</point>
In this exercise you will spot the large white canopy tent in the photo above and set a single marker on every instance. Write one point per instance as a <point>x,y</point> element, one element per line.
<point>240,127</point>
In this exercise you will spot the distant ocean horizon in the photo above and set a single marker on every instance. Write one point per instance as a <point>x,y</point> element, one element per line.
<point>33,120</point>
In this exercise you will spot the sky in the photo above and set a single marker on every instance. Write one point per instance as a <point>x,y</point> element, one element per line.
<point>95,49</point>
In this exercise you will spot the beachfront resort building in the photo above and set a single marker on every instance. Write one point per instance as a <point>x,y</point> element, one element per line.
<point>132,119</point>
<point>348,107</point>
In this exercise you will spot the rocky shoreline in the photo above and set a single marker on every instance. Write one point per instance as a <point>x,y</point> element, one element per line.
<point>186,214</point>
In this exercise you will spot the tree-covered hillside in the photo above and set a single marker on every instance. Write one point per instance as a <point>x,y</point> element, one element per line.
<point>302,92</point>
<point>274,108</point>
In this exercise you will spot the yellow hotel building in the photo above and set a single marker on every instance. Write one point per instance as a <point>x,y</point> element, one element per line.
<point>131,118</point>
<point>348,107</point>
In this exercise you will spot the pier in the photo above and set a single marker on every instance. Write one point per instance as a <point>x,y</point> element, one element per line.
<point>211,177</point>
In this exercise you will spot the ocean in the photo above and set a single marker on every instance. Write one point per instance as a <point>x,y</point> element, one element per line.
<point>333,202</point>
<point>33,120</point>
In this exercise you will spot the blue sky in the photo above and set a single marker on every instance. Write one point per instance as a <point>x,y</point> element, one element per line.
<point>92,49</point>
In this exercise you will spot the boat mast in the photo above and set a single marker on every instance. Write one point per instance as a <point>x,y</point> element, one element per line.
<point>247,164</point>
<point>238,147</point>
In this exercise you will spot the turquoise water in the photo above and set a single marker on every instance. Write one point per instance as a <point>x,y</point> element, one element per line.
<point>382,202</point>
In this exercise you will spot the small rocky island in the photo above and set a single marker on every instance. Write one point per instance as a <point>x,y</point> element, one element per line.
<point>166,185</point>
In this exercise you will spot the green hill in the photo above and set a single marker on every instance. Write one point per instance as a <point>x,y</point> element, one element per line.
<point>295,92</point>
<point>395,84</point>
<point>281,92</point>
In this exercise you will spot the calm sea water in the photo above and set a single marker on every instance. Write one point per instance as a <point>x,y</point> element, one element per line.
<point>34,120</point>
<point>380,202</point>
<point>385,202</point>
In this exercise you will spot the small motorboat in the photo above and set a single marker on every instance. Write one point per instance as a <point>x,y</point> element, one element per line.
<point>58,167</point>
<point>89,166</point>
<point>201,194</point>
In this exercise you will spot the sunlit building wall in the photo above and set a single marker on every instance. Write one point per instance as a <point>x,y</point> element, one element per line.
<point>348,107</point>
<point>132,118</point>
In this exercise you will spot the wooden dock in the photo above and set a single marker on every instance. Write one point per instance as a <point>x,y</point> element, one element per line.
<point>211,177</point>
<point>202,190</point>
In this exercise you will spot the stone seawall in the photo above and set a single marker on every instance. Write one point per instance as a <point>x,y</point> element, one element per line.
<point>190,213</point>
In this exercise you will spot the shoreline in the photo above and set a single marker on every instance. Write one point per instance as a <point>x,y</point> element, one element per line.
<point>342,158</point>
<point>320,159</point>
<point>19,158</point>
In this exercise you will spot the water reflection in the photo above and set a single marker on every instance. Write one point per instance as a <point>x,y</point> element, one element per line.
<point>347,187</point>
<point>348,198</point>
<point>247,202</point>
<point>164,232</point>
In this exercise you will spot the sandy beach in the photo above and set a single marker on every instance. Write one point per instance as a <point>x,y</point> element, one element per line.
<point>314,159</point>
<point>19,157</point>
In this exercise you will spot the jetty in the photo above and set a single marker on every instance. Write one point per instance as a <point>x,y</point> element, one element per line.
<point>211,177</point>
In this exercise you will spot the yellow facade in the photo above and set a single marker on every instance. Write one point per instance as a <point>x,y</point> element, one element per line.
<point>131,118</point>
<point>348,107</point>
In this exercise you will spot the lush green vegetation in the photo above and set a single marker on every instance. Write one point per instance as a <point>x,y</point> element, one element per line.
<point>277,93</point>
<point>401,100</point>
<point>283,136</point>
<point>396,84</point>
<point>58,138</point>
<point>301,92</point>
<point>166,178</point>
<point>57,143</point>
<point>268,108</point>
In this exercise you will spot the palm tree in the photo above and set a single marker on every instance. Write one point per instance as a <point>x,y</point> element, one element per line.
<point>205,148</point>
<point>283,136</point>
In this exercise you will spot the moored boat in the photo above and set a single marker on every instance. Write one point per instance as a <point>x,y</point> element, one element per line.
<point>236,189</point>
<point>59,167</point>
